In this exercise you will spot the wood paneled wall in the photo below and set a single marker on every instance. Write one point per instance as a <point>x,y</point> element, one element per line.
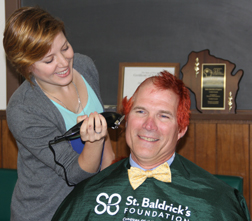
<point>218,143</point>
<point>8,147</point>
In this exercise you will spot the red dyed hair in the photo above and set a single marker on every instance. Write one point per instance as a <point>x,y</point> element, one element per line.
<point>166,81</point>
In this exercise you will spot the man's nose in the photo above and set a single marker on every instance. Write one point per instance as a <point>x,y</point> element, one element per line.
<point>150,123</point>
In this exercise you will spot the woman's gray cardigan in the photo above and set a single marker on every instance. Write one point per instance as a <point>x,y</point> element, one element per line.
<point>34,120</point>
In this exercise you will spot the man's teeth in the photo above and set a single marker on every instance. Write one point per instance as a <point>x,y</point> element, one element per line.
<point>148,139</point>
<point>63,72</point>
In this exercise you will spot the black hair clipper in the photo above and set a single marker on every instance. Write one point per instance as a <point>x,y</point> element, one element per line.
<point>113,121</point>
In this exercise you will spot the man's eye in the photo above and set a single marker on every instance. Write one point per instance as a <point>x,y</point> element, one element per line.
<point>164,116</point>
<point>140,111</point>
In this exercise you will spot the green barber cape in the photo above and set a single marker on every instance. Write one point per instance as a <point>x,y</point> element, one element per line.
<point>194,194</point>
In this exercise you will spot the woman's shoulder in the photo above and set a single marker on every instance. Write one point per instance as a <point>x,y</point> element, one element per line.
<point>20,94</point>
<point>80,59</point>
<point>86,67</point>
<point>28,97</point>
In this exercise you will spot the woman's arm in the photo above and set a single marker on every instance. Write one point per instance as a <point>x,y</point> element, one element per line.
<point>94,136</point>
<point>108,153</point>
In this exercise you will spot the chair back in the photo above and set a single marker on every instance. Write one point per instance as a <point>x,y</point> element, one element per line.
<point>8,178</point>
<point>234,181</point>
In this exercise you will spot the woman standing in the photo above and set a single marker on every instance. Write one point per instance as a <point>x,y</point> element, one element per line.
<point>60,87</point>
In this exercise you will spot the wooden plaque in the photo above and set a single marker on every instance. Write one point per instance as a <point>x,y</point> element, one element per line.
<point>212,82</point>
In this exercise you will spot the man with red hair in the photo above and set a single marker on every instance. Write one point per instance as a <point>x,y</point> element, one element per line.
<point>154,183</point>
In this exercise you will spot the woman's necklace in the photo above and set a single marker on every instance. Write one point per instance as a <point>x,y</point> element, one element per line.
<point>79,101</point>
<point>77,92</point>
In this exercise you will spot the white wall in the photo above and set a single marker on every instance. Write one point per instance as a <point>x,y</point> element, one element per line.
<point>3,82</point>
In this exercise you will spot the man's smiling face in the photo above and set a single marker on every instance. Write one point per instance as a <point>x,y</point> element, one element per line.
<point>152,130</point>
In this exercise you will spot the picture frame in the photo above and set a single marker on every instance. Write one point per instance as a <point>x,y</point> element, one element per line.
<point>131,75</point>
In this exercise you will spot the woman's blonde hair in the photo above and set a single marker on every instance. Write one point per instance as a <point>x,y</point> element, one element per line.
<point>28,36</point>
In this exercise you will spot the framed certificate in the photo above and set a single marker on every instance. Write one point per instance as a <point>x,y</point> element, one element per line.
<point>131,75</point>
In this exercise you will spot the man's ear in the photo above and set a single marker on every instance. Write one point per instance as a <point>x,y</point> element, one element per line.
<point>182,133</point>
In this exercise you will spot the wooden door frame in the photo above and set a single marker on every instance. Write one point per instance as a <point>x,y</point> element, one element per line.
<point>13,80</point>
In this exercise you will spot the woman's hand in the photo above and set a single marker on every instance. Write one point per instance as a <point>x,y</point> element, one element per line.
<point>93,131</point>
<point>93,128</point>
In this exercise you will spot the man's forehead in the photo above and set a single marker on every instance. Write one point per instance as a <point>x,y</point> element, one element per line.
<point>151,93</point>
<point>149,88</point>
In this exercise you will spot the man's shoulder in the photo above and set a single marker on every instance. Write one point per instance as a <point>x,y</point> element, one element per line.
<point>116,170</point>
<point>195,173</point>
<point>189,166</point>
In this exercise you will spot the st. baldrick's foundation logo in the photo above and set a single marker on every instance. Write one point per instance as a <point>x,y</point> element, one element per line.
<point>110,204</point>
